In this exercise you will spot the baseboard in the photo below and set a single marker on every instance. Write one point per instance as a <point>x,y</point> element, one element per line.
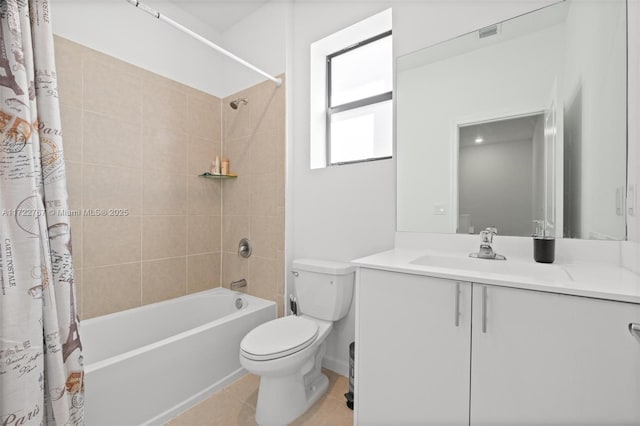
<point>336,365</point>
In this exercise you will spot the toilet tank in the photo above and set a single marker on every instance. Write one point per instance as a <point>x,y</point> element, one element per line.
<point>324,289</point>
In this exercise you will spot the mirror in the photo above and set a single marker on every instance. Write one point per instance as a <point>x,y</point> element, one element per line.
<point>545,95</point>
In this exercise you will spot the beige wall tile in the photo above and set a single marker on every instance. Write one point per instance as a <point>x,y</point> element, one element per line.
<point>111,142</point>
<point>112,188</point>
<point>267,153</point>
<point>76,240</point>
<point>164,194</point>
<point>281,272</point>
<point>111,289</point>
<point>235,268</point>
<point>280,311</point>
<point>201,153</point>
<point>72,132</point>
<point>74,184</point>
<point>204,234</point>
<point>203,272</point>
<point>204,195</point>
<point>111,62</point>
<point>262,277</point>
<point>236,196</point>
<point>236,123</point>
<point>265,235</point>
<point>281,227</point>
<point>264,193</point>
<point>68,56</point>
<point>238,151</point>
<point>164,279</point>
<point>165,106</point>
<point>111,240</point>
<point>281,187</point>
<point>160,135</point>
<point>77,279</point>
<point>234,228</point>
<point>111,89</point>
<point>164,236</point>
<point>165,150</point>
<point>203,115</point>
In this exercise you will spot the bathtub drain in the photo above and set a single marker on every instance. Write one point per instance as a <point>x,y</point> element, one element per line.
<point>239,303</point>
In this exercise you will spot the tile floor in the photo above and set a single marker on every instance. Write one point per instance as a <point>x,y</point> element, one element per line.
<point>235,405</point>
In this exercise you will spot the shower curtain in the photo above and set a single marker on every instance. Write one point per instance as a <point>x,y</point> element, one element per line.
<point>41,374</point>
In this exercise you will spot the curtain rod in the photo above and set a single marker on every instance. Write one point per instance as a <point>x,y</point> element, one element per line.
<point>197,36</point>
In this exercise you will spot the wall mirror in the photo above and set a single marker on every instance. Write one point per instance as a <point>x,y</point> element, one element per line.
<point>524,121</point>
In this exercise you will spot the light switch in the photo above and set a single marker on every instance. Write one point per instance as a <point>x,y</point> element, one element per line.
<point>631,200</point>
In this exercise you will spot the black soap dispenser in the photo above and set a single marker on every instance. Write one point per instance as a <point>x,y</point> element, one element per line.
<point>544,247</point>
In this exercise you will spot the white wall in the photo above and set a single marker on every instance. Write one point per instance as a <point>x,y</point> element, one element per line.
<point>261,39</point>
<point>122,31</point>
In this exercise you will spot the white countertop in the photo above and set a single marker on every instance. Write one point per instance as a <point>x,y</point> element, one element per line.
<point>588,279</point>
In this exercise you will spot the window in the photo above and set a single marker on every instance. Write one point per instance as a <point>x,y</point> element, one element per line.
<point>359,101</point>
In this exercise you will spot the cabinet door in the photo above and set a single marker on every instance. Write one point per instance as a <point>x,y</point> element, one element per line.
<point>412,355</point>
<point>550,359</point>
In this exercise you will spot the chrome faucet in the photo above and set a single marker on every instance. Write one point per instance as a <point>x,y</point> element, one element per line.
<point>235,285</point>
<point>486,251</point>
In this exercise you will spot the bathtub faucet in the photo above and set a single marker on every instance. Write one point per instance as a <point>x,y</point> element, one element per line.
<point>238,284</point>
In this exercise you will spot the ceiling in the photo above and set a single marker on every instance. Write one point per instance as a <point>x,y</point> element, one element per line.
<point>499,131</point>
<point>219,14</point>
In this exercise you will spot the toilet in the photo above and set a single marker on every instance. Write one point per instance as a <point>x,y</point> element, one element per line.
<point>287,352</point>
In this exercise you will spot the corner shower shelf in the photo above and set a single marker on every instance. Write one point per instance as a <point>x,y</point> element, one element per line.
<point>212,176</point>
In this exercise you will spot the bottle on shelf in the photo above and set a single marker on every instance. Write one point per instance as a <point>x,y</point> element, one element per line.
<point>215,166</point>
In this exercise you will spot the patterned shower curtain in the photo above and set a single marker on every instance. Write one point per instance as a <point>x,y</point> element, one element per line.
<point>41,374</point>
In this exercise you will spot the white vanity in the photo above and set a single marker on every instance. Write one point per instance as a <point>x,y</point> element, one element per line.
<point>442,338</point>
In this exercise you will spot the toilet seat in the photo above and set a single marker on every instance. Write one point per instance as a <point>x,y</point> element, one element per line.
<point>279,338</point>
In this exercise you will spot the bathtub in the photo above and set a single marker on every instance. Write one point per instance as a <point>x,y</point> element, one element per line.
<point>145,365</point>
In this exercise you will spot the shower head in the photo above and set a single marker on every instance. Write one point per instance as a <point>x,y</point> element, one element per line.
<point>237,102</point>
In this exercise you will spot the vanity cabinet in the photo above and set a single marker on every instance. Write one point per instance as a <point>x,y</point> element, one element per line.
<point>412,354</point>
<point>515,356</point>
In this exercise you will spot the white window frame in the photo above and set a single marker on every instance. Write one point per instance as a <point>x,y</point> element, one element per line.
<point>318,51</point>
<point>382,97</point>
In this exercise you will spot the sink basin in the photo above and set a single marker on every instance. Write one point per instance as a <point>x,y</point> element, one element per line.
<point>511,268</point>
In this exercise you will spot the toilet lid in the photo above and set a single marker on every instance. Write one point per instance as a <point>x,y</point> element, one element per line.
<point>279,338</point>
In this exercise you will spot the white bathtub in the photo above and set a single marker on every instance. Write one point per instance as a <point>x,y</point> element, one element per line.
<point>145,365</point>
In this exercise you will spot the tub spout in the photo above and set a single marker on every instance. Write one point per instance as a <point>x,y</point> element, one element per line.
<point>238,284</point>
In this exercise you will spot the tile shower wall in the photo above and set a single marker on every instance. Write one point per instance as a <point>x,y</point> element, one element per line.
<point>253,204</point>
<point>137,141</point>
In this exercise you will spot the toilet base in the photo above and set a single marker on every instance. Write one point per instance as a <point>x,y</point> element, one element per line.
<point>282,400</point>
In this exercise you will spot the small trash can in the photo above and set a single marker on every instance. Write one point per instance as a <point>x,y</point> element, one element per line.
<point>350,395</point>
